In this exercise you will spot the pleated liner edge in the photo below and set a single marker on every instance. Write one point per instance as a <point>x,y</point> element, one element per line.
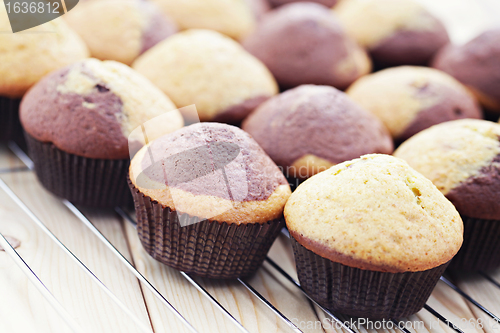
<point>10,127</point>
<point>208,248</point>
<point>363,293</point>
<point>83,181</point>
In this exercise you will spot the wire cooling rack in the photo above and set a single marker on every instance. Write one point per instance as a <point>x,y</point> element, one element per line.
<point>342,322</point>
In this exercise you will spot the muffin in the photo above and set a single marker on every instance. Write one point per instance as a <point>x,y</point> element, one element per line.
<point>303,43</point>
<point>477,65</point>
<point>395,32</point>
<point>215,73</point>
<point>310,128</point>
<point>25,58</point>
<point>77,122</point>
<point>371,237</point>
<point>209,201</point>
<point>231,18</point>
<point>328,3</point>
<point>462,158</point>
<point>409,99</point>
<point>120,30</point>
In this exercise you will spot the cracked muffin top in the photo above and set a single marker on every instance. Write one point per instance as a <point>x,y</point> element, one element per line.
<point>91,108</point>
<point>375,213</point>
<point>462,158</point>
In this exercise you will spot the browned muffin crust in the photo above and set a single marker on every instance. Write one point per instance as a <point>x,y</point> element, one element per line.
<point>262,175</point>
<point>316,120</point>
<point>49,115</point>
<point>410,47</point>
<point>302,43</point>
<point>477,65</point>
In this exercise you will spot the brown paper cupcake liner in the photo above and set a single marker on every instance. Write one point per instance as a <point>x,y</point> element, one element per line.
<point>363,293</point>
<point>10,127</point>
<point>481,247</point>
<point>83,181</point>
<point>208,248</point>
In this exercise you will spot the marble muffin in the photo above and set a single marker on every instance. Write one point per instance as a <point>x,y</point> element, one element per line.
<point>25,58</point>
<point>372,237</point>
<point>210,70</point>
<point>310,128</point>
<point>395,32</point>
<point>78,122</point>
<point>303,43</point>
<point>209,200</point>
<point>409,99</point>
<point>120,30</point>
<point>235,18</point>
<point>477,65</point>
<point>328,3</point>
<point>462,158</point>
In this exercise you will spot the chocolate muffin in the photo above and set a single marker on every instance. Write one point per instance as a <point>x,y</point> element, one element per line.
<point>395,32</point>
<point>477,65</point>
<point>77,122</point>
<point>120,30</point>
<point>409,99</point>
<point>209,200</point>
<point>328,3</point>
<point>210,70</point>
<point>25,58</point>
<point>310,128</point>
<point>371,237</point>
<point>462,158</point>
<point>232,18</point>
<point>303,43</point>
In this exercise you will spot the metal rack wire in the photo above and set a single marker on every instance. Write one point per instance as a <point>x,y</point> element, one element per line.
<point>341,320</point>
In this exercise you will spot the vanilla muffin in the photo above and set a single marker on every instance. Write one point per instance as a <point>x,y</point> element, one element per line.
<point>395,32</point>
<point>77,122</point>
<point>120,30</point>
<point>25,58</point>
<point>462,158</point>
<point>303,43</point>
<point>310,128</point>
<point>328,3</point>
<point>409,99</point>
<point>371,237</point>
<point>477,65</point>
<point>209,200</point>
<point>234,18</point>
<point>209,70</point>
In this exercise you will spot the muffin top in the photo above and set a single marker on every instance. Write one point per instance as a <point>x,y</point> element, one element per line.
<point>212,171</point>
<point>397,32</point>
<point>310,128</point>
<point>234,18</point>
<point>209,70</point>
<point>375,213</point>
<point>120,30</point>
<point>303,43</point>
<point>409,99</point>
<point>328,3</point>
<point>477,65</point>
<point>462,158</point>
<point>91,107</point>
<point>27,56</point>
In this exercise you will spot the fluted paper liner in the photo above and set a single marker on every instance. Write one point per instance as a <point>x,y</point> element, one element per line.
<point>363,293</point>
<point>481,247</point>
<point>83,181</point>
<point>208,248</point>
<point>10,127</point>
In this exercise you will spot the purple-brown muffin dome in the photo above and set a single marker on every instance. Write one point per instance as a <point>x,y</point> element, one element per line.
<point>311,128</point>
<point>477,65</point>
<point>302,43</point>
<point>395,32</point>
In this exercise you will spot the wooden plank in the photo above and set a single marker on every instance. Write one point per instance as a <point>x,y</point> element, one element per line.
<point>88,304</point>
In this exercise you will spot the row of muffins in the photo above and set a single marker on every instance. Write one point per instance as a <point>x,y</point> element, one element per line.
<point>82,86</point>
